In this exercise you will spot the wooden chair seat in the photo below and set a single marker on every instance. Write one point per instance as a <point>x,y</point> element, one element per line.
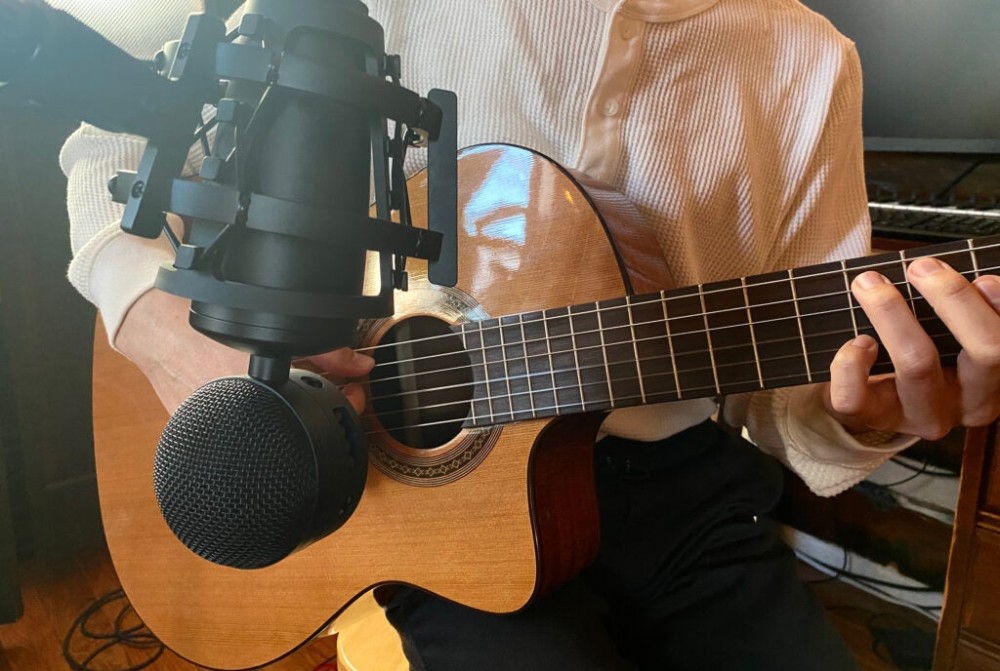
<point>365,639</point>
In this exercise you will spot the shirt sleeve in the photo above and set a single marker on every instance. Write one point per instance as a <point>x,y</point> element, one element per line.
<point>109,267</point>
<point>828,221</point>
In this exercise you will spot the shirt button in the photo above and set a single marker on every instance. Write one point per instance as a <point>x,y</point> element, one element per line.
<point>628,30</point>
<point>611,108</point>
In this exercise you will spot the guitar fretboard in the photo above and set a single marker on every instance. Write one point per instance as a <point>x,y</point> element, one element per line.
<point>759,332</point>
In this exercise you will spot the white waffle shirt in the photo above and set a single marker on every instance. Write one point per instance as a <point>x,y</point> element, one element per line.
<point>733,125</point>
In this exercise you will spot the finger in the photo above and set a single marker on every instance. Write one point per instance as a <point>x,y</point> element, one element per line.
<point>969,315</point>
<point>344,362</point>
<point>849,373</point>
<point>920,384</point>
<point>355,395</point>
<point>981,386</point>
<point>989,287</point>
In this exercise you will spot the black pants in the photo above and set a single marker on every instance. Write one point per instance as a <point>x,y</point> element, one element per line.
<point>690,576</point>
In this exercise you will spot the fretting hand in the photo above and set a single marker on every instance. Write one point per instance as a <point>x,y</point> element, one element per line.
<point>922,398</point>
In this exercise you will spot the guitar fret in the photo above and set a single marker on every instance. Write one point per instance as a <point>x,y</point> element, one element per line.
<point>972,255</point>
<point>651,349</point>
<point>552,367</point>
<point>905,281</point>
<point>635,350</point>
<point>592,356</point>
<point>730,338</point>
<point>604,352</point>
<point>624,376</point>
<point>779,347</point>
<point>567,383</point>
<point>576,359</point>
<point>482,402</point>
<point>472,405</point>
<point>495,416</point>
<point>850,298</point>
<point>506,370</point>
<point>690,338</point>
<point>516,363</point>
<point>527,365</point>
<point>753,332</point>
<point>670,340</point>
<point>885,264</point>
<point>826,315</point>
<point>708,337</point>
<point>798,317</point>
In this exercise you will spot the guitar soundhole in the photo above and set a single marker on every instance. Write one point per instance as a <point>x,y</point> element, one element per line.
<point>422,384</point>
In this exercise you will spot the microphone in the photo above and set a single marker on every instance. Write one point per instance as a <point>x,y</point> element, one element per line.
<point>252,468</point>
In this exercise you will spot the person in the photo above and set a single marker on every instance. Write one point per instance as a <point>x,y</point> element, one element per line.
<point>734,120</point>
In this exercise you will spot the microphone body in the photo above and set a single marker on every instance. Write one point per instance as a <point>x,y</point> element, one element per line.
<point>314,152</point>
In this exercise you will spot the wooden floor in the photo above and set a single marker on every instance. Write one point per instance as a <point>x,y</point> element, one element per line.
<point>53,599</point>
<point>853,612</point>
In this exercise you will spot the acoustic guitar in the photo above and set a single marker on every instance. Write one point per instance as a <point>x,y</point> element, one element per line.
<point>484,406</point>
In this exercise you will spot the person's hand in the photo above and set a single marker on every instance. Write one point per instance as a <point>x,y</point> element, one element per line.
<point>921,399</point>
<point>176,359</point>
<point>341,366</point>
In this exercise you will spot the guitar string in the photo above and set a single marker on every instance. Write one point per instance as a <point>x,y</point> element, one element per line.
<point>610,402</point>
<point>629,343</point>
<point>582,407</point>
<point>548,373</point>
<point>699,317</point>
<point>633,361</point>
<point>658,299</point>
<point>695,392</point>
<point>673,335</point>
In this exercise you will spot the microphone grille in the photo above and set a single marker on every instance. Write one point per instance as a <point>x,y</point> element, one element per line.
<point>235,475</point>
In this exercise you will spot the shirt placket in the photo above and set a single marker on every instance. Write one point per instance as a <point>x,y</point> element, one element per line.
<point>604,118</point>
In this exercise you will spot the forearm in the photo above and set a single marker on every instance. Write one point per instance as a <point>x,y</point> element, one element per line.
<point>176,359</point>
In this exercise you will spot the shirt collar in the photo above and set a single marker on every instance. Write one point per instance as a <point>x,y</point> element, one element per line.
<point>656,11</point>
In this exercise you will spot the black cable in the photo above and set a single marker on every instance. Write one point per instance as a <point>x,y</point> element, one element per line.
<point>870,581</point>
<point>956,181</point>
<point>917,472</point>
<point>934,472</point>
<point>923,469</point>
<point>136,636</point>
<point>836,575</point>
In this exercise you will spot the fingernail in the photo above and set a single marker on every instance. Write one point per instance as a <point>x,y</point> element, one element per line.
<point>865,342</point>
<point>870,280</point>
<point>925,266</point>
<point>362,361</point>
<point>989,286</point>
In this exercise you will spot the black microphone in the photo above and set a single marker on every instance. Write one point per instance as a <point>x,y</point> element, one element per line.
<point>251,468</point>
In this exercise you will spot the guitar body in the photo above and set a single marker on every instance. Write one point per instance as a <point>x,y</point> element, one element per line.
<point>491,517</point>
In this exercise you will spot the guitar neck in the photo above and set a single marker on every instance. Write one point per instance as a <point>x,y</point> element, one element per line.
<point>760,332</point>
